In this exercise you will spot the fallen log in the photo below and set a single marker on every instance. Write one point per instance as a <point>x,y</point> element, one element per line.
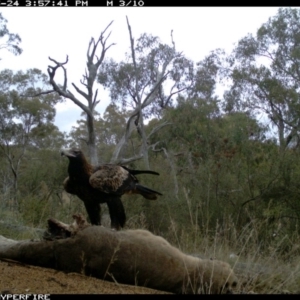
<point>135,257</point>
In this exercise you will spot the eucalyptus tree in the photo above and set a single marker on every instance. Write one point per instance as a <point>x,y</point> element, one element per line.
<point>144,83</point>
<point>9,41</point>
<point>109,129</point>
<point>264,70</point>
<point>266,74</point>
<point>22,117</point>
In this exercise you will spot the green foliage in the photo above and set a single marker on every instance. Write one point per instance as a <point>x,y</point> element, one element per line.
<point>228,185</point>
<point>265,75</point>
<point>26,122</point>
<point>224,165</point>
<point>11,40</point>
<point>129,84</point>
<point>108,129</point>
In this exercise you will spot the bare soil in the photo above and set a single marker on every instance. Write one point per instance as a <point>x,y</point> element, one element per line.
<point>18,278</point>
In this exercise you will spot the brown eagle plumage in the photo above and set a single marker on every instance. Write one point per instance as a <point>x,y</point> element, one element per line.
<point>103,184</point>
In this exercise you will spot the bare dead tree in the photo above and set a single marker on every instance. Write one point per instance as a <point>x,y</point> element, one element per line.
<point>93,64</point>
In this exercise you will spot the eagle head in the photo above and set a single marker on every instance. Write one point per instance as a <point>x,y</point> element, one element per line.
<point>71,152</point>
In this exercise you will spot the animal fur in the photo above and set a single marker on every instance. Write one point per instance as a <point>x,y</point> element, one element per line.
<point>135,257</point>
<point>103,184</point>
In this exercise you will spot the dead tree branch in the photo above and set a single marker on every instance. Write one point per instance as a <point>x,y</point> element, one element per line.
<point>93,64</point>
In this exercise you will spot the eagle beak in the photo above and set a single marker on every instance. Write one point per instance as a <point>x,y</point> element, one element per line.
<point>66,152</point>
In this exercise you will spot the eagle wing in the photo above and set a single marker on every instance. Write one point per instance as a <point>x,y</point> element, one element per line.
<point>110,179</point>
<point>69,188</point>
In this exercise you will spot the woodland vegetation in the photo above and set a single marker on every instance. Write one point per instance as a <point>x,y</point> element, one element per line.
<point>229,165</point>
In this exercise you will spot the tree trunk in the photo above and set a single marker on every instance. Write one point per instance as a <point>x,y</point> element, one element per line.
<point>92,149</point>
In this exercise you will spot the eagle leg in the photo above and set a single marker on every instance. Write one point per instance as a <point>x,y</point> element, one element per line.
<point>94,210</point>
<point>116,212</point>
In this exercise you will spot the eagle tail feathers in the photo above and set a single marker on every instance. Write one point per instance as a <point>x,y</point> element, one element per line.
<point>146,192</point>
<point>136,172</point>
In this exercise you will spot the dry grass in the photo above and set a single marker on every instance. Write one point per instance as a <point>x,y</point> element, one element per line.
<point>264,263</point>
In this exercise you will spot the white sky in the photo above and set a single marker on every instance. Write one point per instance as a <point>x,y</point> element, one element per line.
<point>57,32</point>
